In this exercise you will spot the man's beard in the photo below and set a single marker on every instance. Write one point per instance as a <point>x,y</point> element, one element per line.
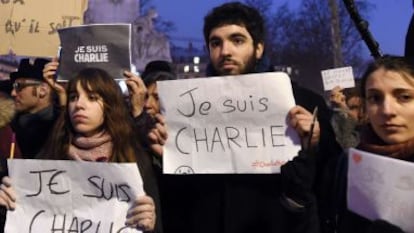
<point>249,68</point>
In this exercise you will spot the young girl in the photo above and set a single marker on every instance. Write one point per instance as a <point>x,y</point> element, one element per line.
<point>387,89</point>
<point>96,125</point>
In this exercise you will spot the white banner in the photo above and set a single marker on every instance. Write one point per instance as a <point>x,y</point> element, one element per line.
<point>381,187</point>
<point>228,124</point>
<point>72,196</point>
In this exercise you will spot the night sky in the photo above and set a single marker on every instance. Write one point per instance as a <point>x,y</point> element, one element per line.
<point>388,20</point>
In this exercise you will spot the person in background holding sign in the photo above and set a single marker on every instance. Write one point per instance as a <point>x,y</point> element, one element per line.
<point>157,70</point>
<point>96,126</point>
<point>229,203</point>
<point>347,115</point>
<point>387,89</point>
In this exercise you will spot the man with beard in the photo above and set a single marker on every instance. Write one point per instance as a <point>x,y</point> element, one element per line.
<point>237,203</point>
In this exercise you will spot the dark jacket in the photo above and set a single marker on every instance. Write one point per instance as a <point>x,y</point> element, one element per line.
<point>146,169</point>
<point>229,203</point>
<point>328,152</point>
<point>32,130</point>
<point>345,127</point>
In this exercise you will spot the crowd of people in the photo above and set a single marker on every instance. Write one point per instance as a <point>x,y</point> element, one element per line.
<point>89,119</point>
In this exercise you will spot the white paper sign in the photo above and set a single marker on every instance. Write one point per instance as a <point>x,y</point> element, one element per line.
<point>380,187</point>
<point>72,196</point>
<point>343,77</point>
<point>233,124</point>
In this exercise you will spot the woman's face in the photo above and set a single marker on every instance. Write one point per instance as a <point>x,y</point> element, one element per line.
<point>152,105</point>
<point>85,111</point>
<point>390,106</point>
<point>355,109</point>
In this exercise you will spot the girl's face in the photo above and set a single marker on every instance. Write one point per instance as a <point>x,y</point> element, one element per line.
<point>390,106</point>
<point>85,111</point>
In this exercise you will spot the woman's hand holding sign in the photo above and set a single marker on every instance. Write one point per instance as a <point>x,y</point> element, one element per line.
<point>137,92</point>
<point>142,214</point>
<point>49,75</point>
<point>158,135</point>
<point>7,194</point>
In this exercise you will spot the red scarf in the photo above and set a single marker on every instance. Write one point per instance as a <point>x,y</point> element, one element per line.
<point>372,143</point>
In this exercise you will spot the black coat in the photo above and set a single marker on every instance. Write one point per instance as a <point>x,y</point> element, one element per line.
<point>32,130</point>
<point>146,169</point>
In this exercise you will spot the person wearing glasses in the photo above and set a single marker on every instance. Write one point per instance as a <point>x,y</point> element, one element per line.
<point>36,111</point>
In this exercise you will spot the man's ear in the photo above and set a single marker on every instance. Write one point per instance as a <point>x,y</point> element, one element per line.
<point>259,50</point>
<point>43,90</point>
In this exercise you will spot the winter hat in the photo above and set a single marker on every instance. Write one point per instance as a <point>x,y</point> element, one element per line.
<point>158,70</point>
<point>30,70</point>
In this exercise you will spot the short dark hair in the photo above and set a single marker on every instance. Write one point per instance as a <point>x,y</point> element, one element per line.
<point>354,91</point>
<point>155,76</point>
<point>239,14</point>
<point>158,70</point>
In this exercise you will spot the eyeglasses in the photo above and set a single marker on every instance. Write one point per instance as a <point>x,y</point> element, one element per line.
<point>18,86</point>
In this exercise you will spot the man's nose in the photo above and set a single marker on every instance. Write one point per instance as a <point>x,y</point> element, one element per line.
<point>13,92</point>
<point>226,48</point>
